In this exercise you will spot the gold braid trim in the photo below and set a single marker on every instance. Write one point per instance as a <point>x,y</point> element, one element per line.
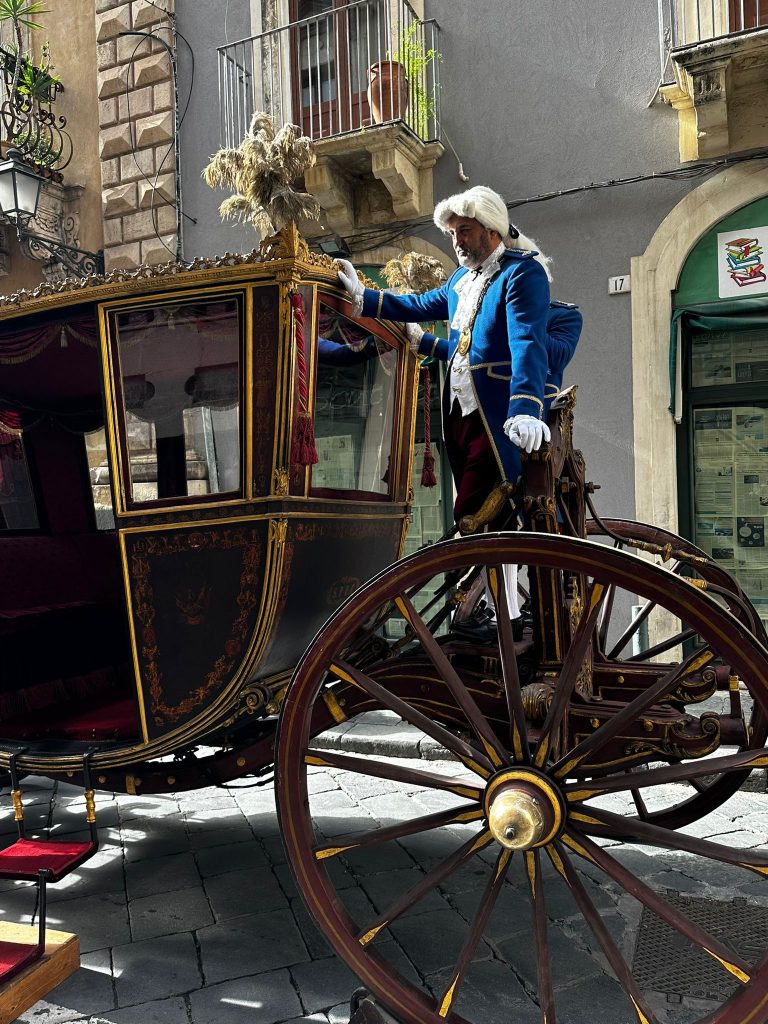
<point>530,398</point>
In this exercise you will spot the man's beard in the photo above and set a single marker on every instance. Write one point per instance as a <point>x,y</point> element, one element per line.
<point>473,258</point>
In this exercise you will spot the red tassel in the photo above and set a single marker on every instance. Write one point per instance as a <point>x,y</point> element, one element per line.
<point>428,478</point>
<point>304,451</point>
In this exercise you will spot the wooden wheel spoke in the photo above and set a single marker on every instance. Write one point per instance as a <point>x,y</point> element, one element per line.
<point>427,823</point>
<point>728,959</point>
<point>607,824</point>
<point>630,712</point>
<point>639,803</point>
<point>686,772</point>
<point>632,628</point>
<point>539,914</point>
<point>591,914</point>
<point>395,772</point>
<point>664,646</point>
<point>470,756</point>
<point>572,662</point>
<point>428,882</point>
<point>492,890</point>
<point>604,622</point>
<point>509,665</point>
<point>494,750</point>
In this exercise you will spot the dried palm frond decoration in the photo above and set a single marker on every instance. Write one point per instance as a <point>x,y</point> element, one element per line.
<point>414,273</point>
<point>261,172</point>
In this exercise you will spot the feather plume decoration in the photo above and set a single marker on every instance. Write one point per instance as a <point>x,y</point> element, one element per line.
<point>414,272</point>
<point>261,172</point>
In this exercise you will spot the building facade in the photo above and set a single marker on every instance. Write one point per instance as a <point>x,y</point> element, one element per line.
<point>628,139</point>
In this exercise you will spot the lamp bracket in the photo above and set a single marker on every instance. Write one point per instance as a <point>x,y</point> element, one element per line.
<point>80,262</point>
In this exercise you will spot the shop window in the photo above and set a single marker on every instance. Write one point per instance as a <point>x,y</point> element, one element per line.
<point>727,416</point>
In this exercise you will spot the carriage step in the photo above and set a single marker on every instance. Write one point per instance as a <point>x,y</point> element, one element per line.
<point>365,1010</point>
<point>60,959</point>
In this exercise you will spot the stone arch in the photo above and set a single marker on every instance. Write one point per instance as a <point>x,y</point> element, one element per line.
<point>654,277</point>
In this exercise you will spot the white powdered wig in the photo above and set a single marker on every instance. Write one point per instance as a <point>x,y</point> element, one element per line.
<point>486,206</point>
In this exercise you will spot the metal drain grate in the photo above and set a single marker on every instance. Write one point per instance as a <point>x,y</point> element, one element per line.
<point>664,961</point>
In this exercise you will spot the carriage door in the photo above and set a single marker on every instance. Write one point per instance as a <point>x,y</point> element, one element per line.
<point>332,46</point>
<point>175,384</point>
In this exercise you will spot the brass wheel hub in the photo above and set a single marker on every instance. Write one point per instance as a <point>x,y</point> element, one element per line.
<point>523,809</point>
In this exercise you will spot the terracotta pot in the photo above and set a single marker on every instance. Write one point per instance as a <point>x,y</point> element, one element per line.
<point>387,91</point>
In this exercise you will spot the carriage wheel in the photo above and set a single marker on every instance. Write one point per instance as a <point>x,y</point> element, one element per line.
<point>512,828</point>
<point>703,794</point>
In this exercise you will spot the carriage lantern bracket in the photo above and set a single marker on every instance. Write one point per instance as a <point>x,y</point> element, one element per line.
<point>19,196</point>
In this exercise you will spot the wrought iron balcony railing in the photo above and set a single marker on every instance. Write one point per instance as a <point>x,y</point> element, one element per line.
<point>684,22</point>
<point>29,122</point>
<point>369,62</point>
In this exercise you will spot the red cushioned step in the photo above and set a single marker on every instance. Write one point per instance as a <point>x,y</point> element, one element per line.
<point>15,956</point>
<point>27,856</point>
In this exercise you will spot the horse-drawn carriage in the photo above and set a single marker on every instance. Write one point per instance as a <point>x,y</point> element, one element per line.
<point>169,553</point>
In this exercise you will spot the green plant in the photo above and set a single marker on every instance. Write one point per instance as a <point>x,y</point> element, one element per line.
<point>38,81</point>
<point>21,14</point>
<point>413,54</point>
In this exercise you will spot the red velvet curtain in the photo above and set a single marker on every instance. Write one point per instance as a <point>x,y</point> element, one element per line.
<point>24,344</point>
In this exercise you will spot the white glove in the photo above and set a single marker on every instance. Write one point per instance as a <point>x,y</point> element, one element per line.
<point>527,432</point>
<point>348,277</point>
<point>415,334</point>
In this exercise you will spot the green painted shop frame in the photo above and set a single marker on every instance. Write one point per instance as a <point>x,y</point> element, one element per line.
<point>719,393</point>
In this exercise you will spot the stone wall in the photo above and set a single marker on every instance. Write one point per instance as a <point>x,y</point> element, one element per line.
<point>136,132</point>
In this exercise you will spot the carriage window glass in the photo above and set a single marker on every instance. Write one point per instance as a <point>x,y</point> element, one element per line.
<point>180,374</point>
<point>354,406</point>
<point>17,499</point>
<point>729,420</point>
<point>98,471</point>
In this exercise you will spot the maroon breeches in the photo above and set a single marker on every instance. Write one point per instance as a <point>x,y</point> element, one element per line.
<point>473,464</point>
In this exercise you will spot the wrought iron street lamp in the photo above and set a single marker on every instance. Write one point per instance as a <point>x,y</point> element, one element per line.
<point>19,196</point>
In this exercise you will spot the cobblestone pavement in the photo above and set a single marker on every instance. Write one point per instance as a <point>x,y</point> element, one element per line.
<point>189,914</point>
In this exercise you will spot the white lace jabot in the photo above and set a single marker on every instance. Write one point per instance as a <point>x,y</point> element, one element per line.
<point>469,288</point>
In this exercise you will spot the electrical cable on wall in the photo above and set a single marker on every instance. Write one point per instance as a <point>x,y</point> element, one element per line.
<point>174,145</point>
<point>375,237</point>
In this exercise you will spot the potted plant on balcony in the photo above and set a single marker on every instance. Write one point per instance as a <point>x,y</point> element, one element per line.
<point>21,14</point>
<point>401,82</point>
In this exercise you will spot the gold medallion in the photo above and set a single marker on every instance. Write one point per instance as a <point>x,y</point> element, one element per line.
<point>465,340</point>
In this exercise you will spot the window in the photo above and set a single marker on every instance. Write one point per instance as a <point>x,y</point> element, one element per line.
<point>332,49</point>
<point>98,470</point>
<point>728,417</point>
<point>17,500</point>
<point>745,14</point>
<point>354,406</point>
<point>180,384</point>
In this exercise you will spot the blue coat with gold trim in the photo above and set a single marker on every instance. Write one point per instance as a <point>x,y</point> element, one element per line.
<point>508,356</point>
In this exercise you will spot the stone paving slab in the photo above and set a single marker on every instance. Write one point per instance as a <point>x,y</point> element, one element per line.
<point>190,913</point>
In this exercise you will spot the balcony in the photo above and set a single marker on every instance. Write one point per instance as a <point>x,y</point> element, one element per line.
<point>714,63</point>
<point>362,80</point>
<point>31,126</point>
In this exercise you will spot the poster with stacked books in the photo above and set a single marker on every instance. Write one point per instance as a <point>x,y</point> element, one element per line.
<point>730,458</point>
<point>741,262</point>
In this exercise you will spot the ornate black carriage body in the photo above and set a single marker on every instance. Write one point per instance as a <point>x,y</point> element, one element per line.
<point>167,553</point>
